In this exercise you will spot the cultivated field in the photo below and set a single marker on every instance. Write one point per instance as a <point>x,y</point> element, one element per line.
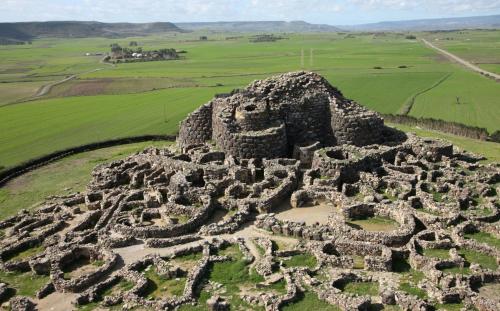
<point>385,72</point>
<point>479,47</point>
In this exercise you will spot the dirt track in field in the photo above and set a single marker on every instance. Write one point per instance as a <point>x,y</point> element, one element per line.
<point>463,62</point>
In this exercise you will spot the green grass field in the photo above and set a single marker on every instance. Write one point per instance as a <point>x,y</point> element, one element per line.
<point>480,47</point>
<point>152,97</point>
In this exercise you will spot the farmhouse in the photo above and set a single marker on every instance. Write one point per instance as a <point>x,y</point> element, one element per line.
<point>125,55</point>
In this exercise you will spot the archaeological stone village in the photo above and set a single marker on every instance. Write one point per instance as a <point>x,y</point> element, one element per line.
<point>307,189</point>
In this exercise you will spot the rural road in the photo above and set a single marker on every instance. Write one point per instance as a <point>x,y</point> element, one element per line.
<point>46,88</point>
<point>463,62</point>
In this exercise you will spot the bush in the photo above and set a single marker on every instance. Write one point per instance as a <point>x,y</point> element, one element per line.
<point>403,66</point>
<point>495,137</point>
<point>377,67</point>
<point>411,37</point>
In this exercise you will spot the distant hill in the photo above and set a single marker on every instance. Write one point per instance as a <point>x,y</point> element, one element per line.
<point>476,22</point>
<point>31,30</point>
<point>263,26</point>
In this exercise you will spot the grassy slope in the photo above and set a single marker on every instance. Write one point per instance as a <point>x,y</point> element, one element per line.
<point>33,129</point>
<point>72,172</point>
<point>478,101</point>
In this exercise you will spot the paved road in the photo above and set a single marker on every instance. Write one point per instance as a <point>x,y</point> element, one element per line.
<point>463,62</point>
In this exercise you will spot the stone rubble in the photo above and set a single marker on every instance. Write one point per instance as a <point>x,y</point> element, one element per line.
<point>288,140</point>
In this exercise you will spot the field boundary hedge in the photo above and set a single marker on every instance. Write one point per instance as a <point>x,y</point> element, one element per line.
<point>23,168</point>
<point>441,125</point>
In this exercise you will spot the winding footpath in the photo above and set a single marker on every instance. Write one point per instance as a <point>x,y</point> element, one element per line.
<point>463,62</point>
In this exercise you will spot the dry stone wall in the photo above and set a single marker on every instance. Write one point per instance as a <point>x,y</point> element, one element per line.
<point>270,117</point>
<point>283,183</point>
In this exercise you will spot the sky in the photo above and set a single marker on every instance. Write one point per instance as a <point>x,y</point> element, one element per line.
<point>333,12</point>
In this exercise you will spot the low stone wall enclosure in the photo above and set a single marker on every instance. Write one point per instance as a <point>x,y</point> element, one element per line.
<point>308,191</point>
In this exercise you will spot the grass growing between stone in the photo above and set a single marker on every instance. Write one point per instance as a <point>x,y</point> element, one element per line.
<point>278,287</point>
<point>409,278</point>
<point>187,261</point>
<point>309,301</point>
<point>234,275</point>
<point>25,284</point>
<point>201,303</point>
<point>120,287</point>
<point>301,260</point>
<point>484,237</point>
<point>436,253</point>
<point>449,306</point>
<point>30,252</point>
<point>376,223</point>
<point>71,173</point>
<point>485,261</point>
<point>161,287</point>
<point>361,288</point>
<point>359,262</point>
<point>471,256</point>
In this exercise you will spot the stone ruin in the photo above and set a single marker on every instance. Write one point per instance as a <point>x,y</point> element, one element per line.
<point>276,117</point>
<point>286,168</point>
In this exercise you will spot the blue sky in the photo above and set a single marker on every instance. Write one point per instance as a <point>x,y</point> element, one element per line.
<point>334,12</point>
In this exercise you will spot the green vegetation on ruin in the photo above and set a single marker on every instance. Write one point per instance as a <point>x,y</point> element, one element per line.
<point>120,287</point>
<point>471,256</point>
<point>235,275</point>
<point>151,97</point>
<point>25,283</point>
<point>160,287</point>
<point>301,260</point>
<point>361,288</point>
<point>278,287</point>
<point>27,253</point>
<point>436,253</point>
<point>376,223</point>
<point>359,262</point>
<point>409,278</point>
<point>65,176</point>
<point>484,237</point>
<point>485,261</point>
<point>309,301</point>
<point>450,307</point>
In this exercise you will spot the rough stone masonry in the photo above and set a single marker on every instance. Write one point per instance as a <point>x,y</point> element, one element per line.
<point>414,220</point>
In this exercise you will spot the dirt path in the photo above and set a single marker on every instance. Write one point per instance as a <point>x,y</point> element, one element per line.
<point>463,62</point>
<point>44,90</point>
<point>57,302</point>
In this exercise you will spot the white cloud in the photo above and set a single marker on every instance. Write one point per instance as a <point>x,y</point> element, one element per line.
<point>441,6</point>
<point>329,11</point>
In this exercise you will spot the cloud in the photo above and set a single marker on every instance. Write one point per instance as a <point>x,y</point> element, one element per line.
<point>326,11</point>
<point>441,6</point>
